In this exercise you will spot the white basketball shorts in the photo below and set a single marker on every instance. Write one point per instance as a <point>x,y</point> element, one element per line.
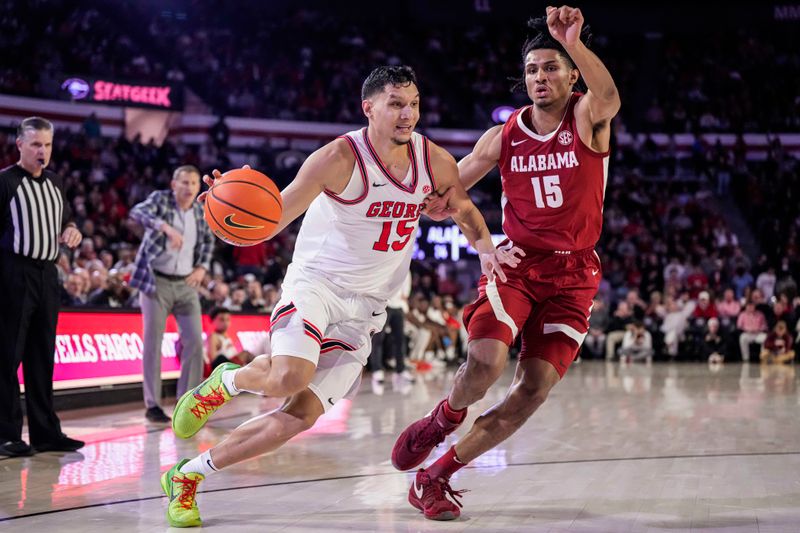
<point>332,328</point>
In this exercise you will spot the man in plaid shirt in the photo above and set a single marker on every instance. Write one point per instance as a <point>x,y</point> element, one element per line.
<point>172,260</point>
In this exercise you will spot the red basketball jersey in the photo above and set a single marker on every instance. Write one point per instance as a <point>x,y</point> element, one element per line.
<point>553,185</point>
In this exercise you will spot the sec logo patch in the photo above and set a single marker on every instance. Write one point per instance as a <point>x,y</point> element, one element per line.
<point>426,189</point>
<point>565,137</point>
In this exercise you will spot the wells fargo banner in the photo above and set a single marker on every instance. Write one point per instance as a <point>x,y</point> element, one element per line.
<point>99,348</point>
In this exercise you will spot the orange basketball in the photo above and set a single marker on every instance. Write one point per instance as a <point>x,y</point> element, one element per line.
<point>243,207</point>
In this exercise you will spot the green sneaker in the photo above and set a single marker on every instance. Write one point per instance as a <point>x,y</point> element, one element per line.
<point>181,490</point>
<point>198,404</point>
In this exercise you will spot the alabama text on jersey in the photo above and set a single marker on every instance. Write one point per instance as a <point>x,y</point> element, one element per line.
<point>553,185</point>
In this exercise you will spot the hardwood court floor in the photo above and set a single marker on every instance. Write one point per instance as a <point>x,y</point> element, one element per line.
<point>615,449</point>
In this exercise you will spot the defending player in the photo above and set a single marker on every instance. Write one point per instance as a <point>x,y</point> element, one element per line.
<point>553,158</point>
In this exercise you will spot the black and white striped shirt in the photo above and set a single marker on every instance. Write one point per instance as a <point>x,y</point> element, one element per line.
<point>33,213</point>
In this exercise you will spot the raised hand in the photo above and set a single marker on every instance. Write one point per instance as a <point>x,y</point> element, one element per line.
<point>565,24</point>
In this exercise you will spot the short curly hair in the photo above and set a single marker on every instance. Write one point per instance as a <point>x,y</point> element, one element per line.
<point>400,75</point>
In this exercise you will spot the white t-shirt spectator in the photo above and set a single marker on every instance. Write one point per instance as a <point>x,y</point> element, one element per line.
<point>766,282</point>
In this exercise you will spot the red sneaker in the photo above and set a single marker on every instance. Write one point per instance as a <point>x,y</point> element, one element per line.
<point>430,496</point>
<point>416,442</point>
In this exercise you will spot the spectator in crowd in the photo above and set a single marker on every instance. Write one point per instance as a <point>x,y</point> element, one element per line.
<point>777,347</point>
<point>115,294</point>
<point>765,282</point>
<point>728,308</point>
<point>173,258</point>
<point>705,308</point>
<point>637,343</point>
<point>448,332</point>
<point>219,346</point>
<point>675,323</point>
<point>762,305</point>
<point>255,301</point>
<point>713,342</point>
<point>595,342</point>
<point>753,325</point>
<point>238,299</point>
<point>219,296</point>
<point>620,320</point>
<point>391,340</point>
<point>741,281</point>
<point>635,303</point>
<point>420,330</point>
<point>74,294</point>
<point>271,297</point>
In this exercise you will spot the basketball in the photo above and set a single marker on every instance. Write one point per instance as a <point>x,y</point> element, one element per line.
<point>243,207</point>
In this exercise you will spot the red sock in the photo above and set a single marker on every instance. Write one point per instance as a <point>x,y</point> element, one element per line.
<point>452,415</point>
<point>446,465</point>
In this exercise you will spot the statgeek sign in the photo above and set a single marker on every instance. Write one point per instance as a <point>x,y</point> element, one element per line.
<point>95,349</point>
<point>114,92</point>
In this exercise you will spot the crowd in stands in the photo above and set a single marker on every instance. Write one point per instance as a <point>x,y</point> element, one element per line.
<point>676,284</point>
<point>307,62</point>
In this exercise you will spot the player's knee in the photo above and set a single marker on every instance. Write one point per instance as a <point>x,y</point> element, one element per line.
<point>533,394</point>
<point>305,409</point>
<point>487,358</point>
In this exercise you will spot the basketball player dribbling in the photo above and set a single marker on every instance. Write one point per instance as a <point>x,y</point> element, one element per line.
<point>362,195</point>
<point>553,159</point>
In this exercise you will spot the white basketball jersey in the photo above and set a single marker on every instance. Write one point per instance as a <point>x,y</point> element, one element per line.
<point>362,239</point>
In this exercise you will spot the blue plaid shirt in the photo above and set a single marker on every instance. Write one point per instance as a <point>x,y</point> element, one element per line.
<point>160,207</point>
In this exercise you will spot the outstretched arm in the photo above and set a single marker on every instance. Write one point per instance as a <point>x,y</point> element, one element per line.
<point>468,218</point>
<point>471,170</point>
<point>601,102</point>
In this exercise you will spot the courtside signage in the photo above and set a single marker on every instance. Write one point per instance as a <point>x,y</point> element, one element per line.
<point>96,349</point>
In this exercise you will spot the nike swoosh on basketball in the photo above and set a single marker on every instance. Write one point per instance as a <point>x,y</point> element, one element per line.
<point>230,222</point>
<point>417,490</point>
<point>515,143</point>
<point>378,184</point>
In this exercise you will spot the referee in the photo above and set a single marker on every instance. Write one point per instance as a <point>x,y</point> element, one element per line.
<point>33,223</point>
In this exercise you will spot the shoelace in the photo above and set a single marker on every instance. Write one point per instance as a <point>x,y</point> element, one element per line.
<point>209,403</point>
<point>188,491</point>
<point>440,487</point>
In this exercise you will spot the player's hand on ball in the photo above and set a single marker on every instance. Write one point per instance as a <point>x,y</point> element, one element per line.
<point>209,180</point>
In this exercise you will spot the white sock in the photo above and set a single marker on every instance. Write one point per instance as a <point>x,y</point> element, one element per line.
<point>227,380</point>
<point>202,464</point>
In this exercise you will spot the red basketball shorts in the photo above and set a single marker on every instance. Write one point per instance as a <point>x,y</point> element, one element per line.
<point>547,301</point>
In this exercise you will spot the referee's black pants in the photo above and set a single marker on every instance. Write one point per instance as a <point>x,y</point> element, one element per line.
<point>29,302</point>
